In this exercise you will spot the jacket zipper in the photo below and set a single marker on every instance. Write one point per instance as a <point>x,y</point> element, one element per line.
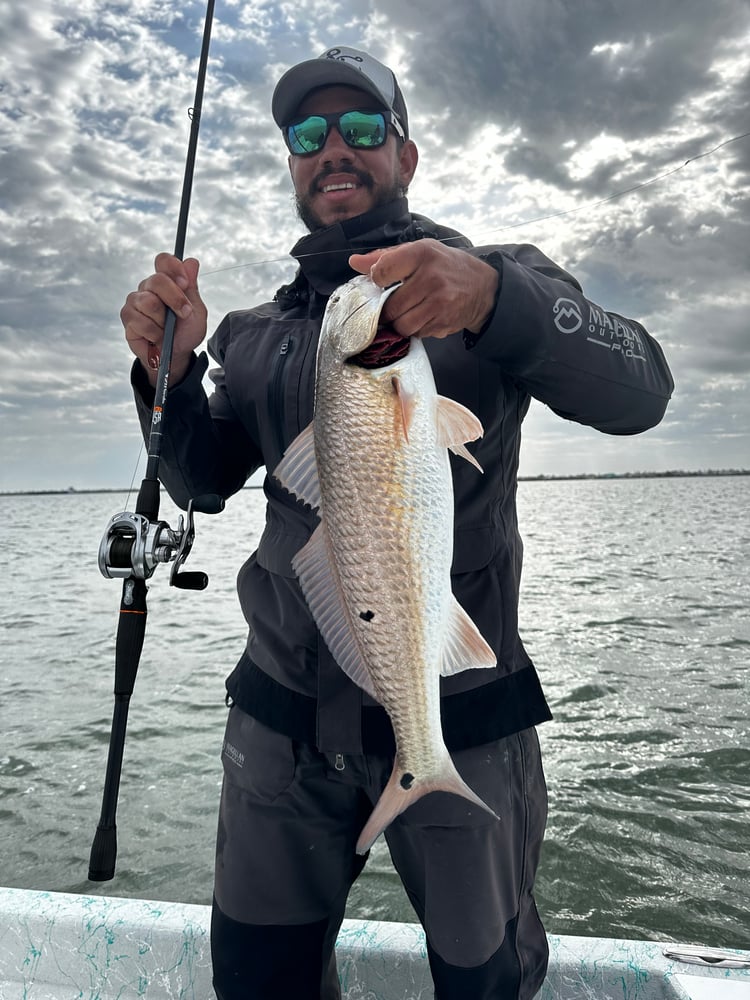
<point>275,394</point>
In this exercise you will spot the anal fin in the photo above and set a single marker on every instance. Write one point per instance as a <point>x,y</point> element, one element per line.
<point>464,648</point>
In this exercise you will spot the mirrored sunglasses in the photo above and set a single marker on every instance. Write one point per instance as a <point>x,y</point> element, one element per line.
<point>358,129</point>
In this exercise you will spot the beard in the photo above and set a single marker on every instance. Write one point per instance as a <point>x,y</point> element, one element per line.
<point>383,195</point>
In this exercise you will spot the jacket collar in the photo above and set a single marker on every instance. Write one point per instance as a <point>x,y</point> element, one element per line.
<point>323,255</point>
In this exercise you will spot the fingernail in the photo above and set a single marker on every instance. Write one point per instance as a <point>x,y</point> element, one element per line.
<point>186,310</point>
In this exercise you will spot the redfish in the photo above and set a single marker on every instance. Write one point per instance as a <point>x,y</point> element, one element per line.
<point>376,571</point>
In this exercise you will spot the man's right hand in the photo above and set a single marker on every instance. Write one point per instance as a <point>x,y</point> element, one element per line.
<point>174,284</point>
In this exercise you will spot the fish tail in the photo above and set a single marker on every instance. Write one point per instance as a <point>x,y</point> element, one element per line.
<point>403,790</point>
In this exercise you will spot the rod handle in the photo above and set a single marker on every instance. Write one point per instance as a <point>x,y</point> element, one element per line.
<point>103,854</point>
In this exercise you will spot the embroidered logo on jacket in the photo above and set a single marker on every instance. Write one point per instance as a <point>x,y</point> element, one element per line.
<point>567,316</point>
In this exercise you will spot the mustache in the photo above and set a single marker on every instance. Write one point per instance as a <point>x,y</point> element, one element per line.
<point>364,178</point>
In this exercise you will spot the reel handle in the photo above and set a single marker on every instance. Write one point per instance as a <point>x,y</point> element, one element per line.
<point>189,581</point>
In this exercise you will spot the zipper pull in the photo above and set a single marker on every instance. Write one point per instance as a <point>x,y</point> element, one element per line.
<point>340,763</point>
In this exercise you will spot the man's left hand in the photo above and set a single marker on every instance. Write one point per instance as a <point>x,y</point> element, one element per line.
<point>443,290</point>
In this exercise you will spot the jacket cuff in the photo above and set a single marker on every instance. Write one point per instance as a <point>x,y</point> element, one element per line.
<point>494,259</point>
<point>146,392</point>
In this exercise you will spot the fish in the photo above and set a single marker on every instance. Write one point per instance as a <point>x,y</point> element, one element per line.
<point>375,573</point>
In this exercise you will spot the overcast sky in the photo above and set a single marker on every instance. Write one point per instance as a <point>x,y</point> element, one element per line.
<point>529,116</point>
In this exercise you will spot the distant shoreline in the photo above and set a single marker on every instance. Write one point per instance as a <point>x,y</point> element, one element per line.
<point>543,478</point>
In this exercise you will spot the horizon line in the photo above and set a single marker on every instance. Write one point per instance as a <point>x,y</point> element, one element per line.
<point>538,477</point>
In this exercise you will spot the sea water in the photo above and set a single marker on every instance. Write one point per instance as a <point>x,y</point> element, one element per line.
<point>635,609</point>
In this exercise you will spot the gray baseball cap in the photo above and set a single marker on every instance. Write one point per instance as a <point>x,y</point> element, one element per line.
<point>340,66</point>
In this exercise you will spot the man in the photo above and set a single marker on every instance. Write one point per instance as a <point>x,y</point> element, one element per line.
<point>306,754</point>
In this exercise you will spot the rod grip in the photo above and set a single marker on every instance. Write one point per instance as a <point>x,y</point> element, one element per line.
<point>103,854</point>
<point>131,630</point>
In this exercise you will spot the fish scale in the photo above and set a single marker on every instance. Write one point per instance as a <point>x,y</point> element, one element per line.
<point>376,572</point>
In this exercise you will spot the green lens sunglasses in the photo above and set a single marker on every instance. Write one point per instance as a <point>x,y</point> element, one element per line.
<point>358,129</point>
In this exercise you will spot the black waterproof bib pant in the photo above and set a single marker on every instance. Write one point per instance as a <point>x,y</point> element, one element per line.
<point>289,820</point>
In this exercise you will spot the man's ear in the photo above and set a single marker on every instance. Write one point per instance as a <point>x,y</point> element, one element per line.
<point>407,162</point>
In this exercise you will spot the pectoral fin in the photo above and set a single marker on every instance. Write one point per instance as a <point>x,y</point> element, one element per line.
<point>405,405</point>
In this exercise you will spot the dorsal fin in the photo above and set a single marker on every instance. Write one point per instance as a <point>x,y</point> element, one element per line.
<point>298,471</point>
<point>321,586</point>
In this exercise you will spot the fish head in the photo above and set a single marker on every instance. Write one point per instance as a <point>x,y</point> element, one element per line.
<point>352,316</point>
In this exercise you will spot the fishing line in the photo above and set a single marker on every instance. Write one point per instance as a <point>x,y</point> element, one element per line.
<point>620,194</point>
<point>514,225</point>
<point>135,473</point>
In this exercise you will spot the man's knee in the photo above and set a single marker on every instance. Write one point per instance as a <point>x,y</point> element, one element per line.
<point>514,972</point>
<point>268,962</point>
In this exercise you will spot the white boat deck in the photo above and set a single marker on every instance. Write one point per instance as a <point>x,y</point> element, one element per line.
<point>57,946</point>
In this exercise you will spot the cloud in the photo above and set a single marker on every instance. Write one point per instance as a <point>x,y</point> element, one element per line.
<point>568,126</point>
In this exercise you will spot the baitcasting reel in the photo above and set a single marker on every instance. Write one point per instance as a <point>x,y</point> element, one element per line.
<point>134,545</point>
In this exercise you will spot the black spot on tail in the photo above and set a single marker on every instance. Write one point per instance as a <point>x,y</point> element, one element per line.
<point>407,780</point>
<point>367,616</point>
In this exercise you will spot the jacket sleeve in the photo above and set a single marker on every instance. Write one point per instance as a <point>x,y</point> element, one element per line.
<point>586,364</point>
<point>205,448</point>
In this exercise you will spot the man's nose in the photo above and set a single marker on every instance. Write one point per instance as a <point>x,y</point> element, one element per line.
<point>335,147</point>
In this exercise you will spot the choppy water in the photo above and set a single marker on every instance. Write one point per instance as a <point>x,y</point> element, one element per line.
<point>636,609</point>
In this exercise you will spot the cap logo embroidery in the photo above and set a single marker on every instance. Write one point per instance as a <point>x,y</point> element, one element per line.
<point>336,54</point>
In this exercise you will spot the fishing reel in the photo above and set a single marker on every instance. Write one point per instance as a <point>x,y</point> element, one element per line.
<point>133,545</point>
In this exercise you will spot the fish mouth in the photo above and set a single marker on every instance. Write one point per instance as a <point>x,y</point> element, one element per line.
<point>386,348</point>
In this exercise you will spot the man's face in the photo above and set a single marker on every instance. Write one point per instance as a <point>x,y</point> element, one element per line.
<point>339,182</point>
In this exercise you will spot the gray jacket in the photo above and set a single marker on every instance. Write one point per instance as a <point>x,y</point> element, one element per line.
<point>545,340</point>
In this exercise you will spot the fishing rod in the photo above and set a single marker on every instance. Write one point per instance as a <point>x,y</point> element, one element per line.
<point>134,544</point>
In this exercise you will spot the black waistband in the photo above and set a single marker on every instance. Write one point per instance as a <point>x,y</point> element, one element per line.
<point>504,706</point>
